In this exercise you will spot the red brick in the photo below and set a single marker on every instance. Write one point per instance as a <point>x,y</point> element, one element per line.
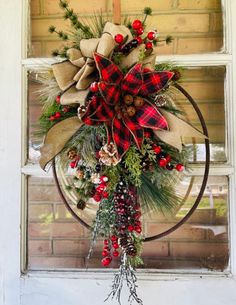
<point>199,4</point>
<point>40,212</point>
<point>199,45</point>
<point>71,247</point>
<point>51,7</point>
<point>184,232</point>
<point>61,213</point>
<point>169,263</point>
<point>35,7</point>
<point>180,23</point>
<point>55,262</point>
<point>43,193</point>
<point>216,24</point>
<point>203,216</point>
<point>197,249</point>
<point>35,49</point>
<point>218,237</point>
<point>39,247</point>
<point>56,230</point>
<point>155,248</point>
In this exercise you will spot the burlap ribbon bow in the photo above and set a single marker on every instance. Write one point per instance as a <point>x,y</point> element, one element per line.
<point>76,74</point>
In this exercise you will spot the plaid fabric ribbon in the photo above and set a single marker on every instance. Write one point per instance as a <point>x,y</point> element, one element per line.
<point>113,85</point>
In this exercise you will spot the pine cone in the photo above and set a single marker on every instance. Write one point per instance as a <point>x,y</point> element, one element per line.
<point>81,205</point>
<point>131,250</point>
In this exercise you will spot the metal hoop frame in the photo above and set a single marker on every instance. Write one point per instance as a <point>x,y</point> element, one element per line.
<point>200,194</point>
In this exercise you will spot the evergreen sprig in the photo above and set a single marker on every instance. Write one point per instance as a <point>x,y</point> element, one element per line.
<point>132,162</point>
<point>147,12</point>
<point>73,17</point>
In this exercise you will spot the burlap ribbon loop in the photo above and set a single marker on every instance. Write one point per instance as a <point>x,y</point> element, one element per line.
<point>178,129</point>
<point>77,73</point>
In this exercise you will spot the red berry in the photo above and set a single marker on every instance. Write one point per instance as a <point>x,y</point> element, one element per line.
<point>73,164</point>
<point>65,109</point>
<point>106,242</point>
<point>138,229</point>
<point>147,134</point>
<point>115,253</point>
<point>94,87</point>
<point>105,194</point>
<point>139,39</point>
<point>115,245</point>
<point>104,179</point>
<point>58,99</point>
<point>106,261</point>
<point>137,24</point>
<point>162,162</point>
<point>52,118</point>
<point>156,149</point>
<point>168,158</point>
<point>137,223</point>
<point>114,238</point>
<point>140,31</point>
<point>119,38</point>
<point>151,35</point>
<point>97,197</point>
<point>100,188</point>
<point>104,253</point>
<point>179,167</point>
<point>130,228</point>
<point>148,45</point>
<point>137,215</point>
<point>57,115</point>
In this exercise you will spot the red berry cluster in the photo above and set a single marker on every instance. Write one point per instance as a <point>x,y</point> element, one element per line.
<point>57,115</point>
<point>110,249</point>
<point>128,216</point>
<point>100,190</point>
<point>164,160</point>
<point>138,29</point>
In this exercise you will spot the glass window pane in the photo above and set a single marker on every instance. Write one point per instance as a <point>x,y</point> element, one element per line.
<point>55,240</point>
<point>206,86</point>
<point>196,26</point>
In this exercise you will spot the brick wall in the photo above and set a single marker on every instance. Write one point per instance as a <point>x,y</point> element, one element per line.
<point>196,24</point>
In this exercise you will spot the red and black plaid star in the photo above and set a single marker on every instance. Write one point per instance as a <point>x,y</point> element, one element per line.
<point>108,107</point>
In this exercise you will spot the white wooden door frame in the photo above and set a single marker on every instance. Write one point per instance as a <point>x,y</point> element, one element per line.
<point>89,288</point>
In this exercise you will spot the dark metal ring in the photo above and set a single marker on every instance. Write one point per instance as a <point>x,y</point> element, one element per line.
<point>200,194</point>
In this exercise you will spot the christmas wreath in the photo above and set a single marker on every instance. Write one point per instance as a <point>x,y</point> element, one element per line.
<point>113,134</point>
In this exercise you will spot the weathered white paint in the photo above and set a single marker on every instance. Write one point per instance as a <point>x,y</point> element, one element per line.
<point>10,153</point>
<point>87,288</point>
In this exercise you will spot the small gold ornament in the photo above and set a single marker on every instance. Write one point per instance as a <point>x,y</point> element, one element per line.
<point>131,111</point>
<point>128,99</point>
<point>80,174</point>
<point>72,153</point>
<point>138,101</point>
